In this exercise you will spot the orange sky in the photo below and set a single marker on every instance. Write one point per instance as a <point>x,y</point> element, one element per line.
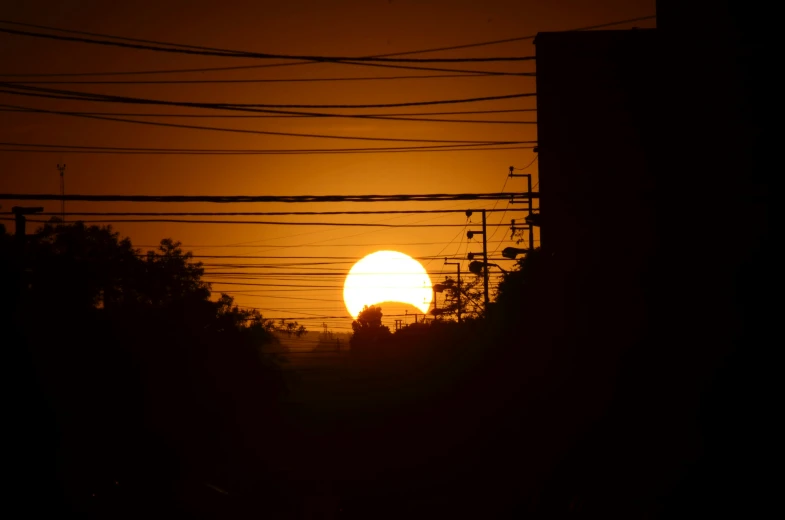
<point>356,28</point>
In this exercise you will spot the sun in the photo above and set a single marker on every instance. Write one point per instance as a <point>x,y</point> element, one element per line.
<point>387,276</point>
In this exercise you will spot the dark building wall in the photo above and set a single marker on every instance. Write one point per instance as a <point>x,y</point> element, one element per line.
<point>603,173</point>
<point>656,204</point>
<point>597,103</point>
<point>601,149</point>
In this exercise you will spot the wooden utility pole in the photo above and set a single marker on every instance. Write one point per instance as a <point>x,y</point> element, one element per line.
<point>470,235</point>
<point>485,260</point>
<point>530,201</point>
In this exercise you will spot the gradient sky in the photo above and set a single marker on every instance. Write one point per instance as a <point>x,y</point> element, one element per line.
<point>354,28</point>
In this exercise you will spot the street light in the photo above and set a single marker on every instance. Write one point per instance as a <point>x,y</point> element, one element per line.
<point>477,267</point>
<point>512,252</point>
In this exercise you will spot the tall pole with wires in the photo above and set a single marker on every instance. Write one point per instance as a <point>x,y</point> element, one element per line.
<point>61,167</point>
<point>530,197</point>
<point>470,235</point>
<point>485,259</point>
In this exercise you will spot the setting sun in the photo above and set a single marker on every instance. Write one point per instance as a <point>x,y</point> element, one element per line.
<point>387,276</point>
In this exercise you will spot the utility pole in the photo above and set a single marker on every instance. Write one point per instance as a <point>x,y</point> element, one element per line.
<point>61,167</point>
<point>530,201</point>
<point>458,264</point>
<point>470,235</point>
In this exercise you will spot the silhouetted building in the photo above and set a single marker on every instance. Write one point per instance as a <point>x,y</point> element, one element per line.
<point>599,138</point>
<point>655,209</point>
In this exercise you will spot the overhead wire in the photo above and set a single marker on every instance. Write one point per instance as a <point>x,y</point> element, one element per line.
<point>281,114</point>
<point>263,80</point>
<point>421,197</point>
<point>228,53</point>
<point>249,213</point>
<point>464,228</point>
<point>529,165</point>
<point>523,38</point>
<point>463,72</point>
<point>93,115</point>
<point>92,96</point>
<point>287,115</point>
<point>249,222</point>
<point>277,133</point>
<point>300,63</point>
<point>314,244</point>
<point>506,178</point>
<point>448,243</point>
<point>258,113</point>
<point>320,242</point>
<point>295,151</point>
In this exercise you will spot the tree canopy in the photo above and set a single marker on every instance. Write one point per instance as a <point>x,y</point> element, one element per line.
<point>368,328</point>
<point>138,364</point>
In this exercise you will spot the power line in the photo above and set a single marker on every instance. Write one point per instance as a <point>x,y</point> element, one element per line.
<point>227,53</point>
<point>333,300</point>
<point>275,114</point>
<point>412,149</point>
<point>529,165</point>
<point>310,245</point>
<point>263,113</point>
<point>295,276</point>
<point>506,178</point>
<point>462,72</point>
<point>336,238</point>
<point>263,80</point>
<point>90,115</point>
<point>430,197</point>
<point>278,265</point>
<point>269,132</point>
<point>536,156</point>
<point>523,38</point>
<point>465,225</point>
<point>113,99</point>
<point>250,222</point>
<point>274,265</point>
<point>295,257</point>
<point>91,96</point>
<point>299,63</point>
<point>253,213</point>
<point>288,285</point>
<point>333,274</point>
<point>329,274</point>
<point>336,272</point>
<point>220,150</point>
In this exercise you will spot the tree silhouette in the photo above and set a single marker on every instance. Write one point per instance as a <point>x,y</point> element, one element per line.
<point>145,376</point>
<point>291,328</point>
<point>521,286</point>
<point>368,328</point>
<point>471,298</point>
